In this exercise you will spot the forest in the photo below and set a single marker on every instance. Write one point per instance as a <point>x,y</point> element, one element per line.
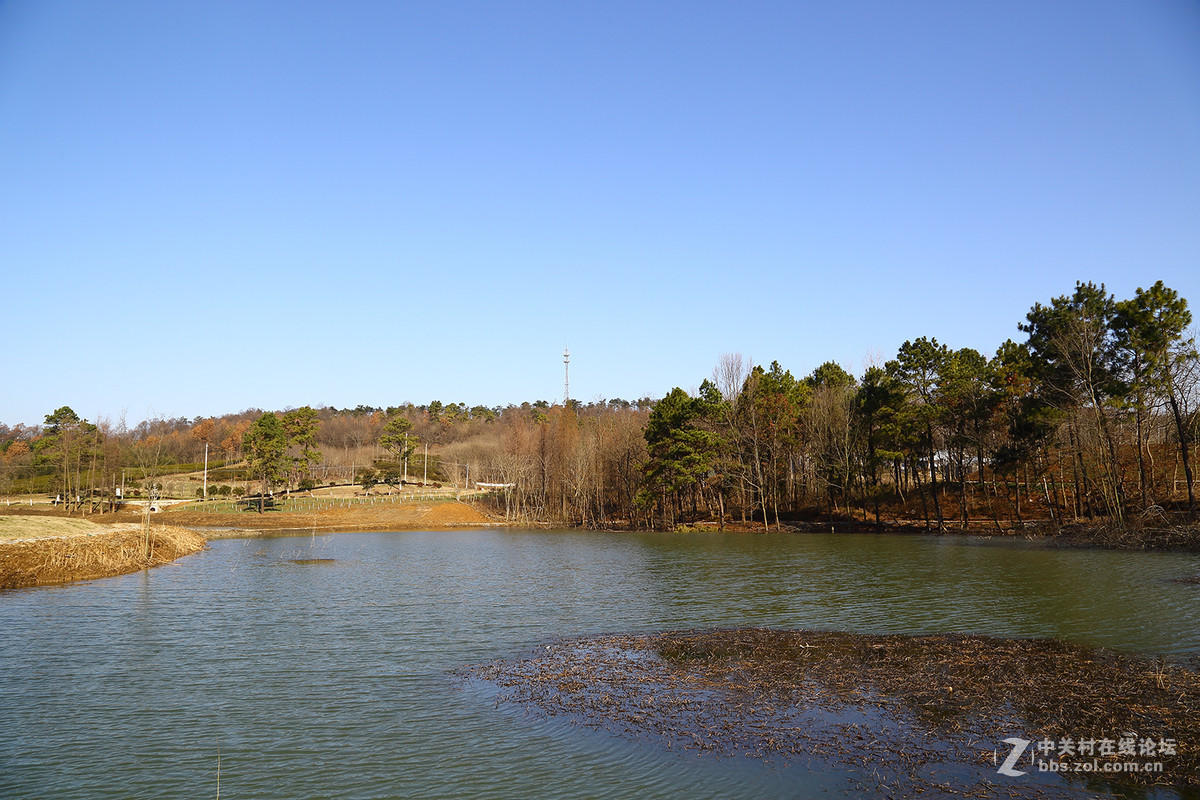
<point>1092,415</point>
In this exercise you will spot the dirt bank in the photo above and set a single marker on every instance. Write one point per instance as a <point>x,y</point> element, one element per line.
<point>1135,534</point>
<point>900,709</point>
<point>382,517</point>
<point>49,550</point>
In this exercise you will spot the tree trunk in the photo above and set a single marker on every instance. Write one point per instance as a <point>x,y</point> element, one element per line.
<point>1141,445</point>
<point>962,488</point>
<point>937,506</point>
<point>1181,429</point>
<point>921,494</point>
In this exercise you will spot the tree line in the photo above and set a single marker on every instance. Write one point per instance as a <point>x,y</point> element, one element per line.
<point>1093,415</point>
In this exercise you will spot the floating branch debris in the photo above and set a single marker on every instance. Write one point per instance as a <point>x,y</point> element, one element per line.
<point>913,712</point>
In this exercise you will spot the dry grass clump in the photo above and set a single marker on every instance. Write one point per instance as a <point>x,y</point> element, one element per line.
<point>900,708</point>
<point>112,551</point>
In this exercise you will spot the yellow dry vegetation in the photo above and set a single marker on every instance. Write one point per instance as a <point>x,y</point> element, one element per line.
<point>381,517</point>
<point>39,527</point>
<point>84,555</point>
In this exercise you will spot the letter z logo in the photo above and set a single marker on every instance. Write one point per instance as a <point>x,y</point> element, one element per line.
<point>1018,749</point>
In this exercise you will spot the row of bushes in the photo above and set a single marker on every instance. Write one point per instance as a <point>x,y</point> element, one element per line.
<point>392,473</point>
<point>221,490</point>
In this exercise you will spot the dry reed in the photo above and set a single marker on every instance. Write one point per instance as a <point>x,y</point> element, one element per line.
<point>60,559</point>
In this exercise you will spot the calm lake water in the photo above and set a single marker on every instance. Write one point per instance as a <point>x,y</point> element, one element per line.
<point>331,680</point>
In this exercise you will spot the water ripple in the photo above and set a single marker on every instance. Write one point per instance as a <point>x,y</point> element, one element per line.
<point>331,680</point>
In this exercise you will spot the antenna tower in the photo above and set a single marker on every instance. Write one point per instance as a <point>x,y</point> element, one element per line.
<point>566,376</point>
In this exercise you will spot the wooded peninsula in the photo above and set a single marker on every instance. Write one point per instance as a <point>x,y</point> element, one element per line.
<point>1085,428</point>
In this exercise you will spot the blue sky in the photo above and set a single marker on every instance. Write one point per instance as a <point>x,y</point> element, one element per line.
<point>211,206</point>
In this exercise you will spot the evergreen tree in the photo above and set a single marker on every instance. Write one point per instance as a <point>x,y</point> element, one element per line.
<point>265,445</point>
<point>300,430</point>
<point>681,453</point>
<point>1079,368</point>
<point>1149,328</point>
<point>920,367</point>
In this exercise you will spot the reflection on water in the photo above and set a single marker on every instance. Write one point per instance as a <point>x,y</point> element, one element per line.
<point>328,679</point>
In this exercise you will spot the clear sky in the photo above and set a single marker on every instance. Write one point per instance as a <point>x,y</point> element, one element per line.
<point>210,206</point>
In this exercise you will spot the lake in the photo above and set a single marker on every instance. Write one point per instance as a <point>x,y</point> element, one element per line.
<point>332,679</point>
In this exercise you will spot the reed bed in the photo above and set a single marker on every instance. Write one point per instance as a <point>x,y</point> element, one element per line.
<point>915,714</point>
<point>116,550</point>
<point>1137,533</point>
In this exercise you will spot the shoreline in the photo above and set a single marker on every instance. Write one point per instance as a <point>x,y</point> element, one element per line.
<point>229,532</point>
<point>1099,535</point>
<point>457,514</point>
<point>1074,536</point>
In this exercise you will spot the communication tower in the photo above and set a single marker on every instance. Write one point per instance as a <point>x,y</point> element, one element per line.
<point>566,376</point>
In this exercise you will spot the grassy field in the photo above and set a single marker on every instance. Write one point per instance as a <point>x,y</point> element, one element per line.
<point>40,527</point>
